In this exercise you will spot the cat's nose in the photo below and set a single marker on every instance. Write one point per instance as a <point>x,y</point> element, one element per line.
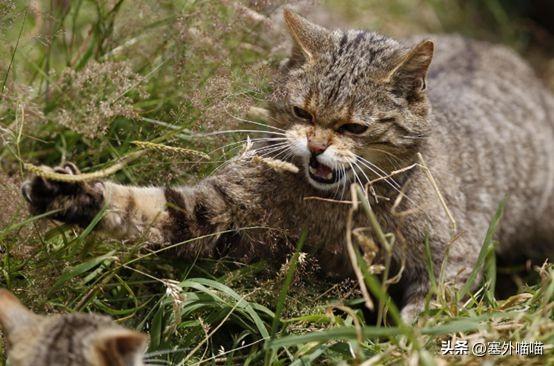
<point>316,148</point>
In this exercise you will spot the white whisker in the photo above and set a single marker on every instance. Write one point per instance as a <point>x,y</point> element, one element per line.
<point>339,172</point>
<point>253,122</point>
<point>278,156</point>
<point>343,183</point>
<point>361,170</point>
<point>216,133</point>
<point>278,152</point>
<point>251,140</point>
<point>390,181</point>
<point>270,148</point>
<point>372,166</point>
<point>357,178</point>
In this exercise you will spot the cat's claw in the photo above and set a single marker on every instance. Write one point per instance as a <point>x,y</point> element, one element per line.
<point>39,192</point>
<point>45,184</point>
<point>72,203</point>
<point>26,191</point>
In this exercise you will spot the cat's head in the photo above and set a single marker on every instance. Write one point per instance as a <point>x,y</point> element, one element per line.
<point>352,102</point>
<point>71,339</point>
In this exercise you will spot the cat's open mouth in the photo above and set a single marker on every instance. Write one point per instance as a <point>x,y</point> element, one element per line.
<point>322,173</point>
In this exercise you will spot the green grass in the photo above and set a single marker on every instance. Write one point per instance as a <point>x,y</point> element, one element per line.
<point>83,82</point>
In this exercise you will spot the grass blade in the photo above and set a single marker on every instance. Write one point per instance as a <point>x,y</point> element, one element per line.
<point>487,244</point>
<point>243,304</point>
<point>333,334</point>
<point>283,292</point>
<point>83,268</point>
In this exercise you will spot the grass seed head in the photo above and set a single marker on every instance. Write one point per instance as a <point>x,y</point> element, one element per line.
<point>88,100</point>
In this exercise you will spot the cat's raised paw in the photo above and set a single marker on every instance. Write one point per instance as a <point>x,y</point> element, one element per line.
<point>70,202</point>
<point>40,191</point>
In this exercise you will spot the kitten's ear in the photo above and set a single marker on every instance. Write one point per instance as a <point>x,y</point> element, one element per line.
<point>121,347</point>
<point>408,76</point>
<point>13,314</point>
<point>309,39</point>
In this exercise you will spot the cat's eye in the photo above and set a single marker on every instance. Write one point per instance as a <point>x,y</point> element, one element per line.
<point>302,113</point>
<point>353,128</point>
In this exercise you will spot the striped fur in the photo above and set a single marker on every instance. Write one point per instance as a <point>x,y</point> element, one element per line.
<point>481,119</point>
<point>66,340</point>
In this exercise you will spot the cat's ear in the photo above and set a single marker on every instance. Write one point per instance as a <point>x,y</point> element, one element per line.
<point>310,39</point>
<point>13,314</point>
<point>120,346</point>
<point>408,76</point>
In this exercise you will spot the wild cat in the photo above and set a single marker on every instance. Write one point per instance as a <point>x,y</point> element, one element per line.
<point>354,106</point>
<point>71,339</point>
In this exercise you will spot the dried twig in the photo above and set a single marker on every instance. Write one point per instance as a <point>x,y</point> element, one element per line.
<point>258,113</point>
<point>382,239</point>
<point>85,177</point>
<point>48,173</point>
<point>277,165</point>
<point>172,149</point>
<point>437,190</point>
<point>352,252</point>
<point>316,198</point>
<point>393,173</point>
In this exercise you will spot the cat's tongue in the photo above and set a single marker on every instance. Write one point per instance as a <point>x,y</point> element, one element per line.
<point>324,171</point>
<point>320,170</point>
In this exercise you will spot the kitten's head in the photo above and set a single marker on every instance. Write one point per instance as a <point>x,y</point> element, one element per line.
<point>71,339</point>
<point>352,102</point>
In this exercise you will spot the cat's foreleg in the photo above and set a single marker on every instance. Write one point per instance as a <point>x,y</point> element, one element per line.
<point>72,203</point>
<point>414,303</point>
<point>158,215</point>
<point>458,263</point>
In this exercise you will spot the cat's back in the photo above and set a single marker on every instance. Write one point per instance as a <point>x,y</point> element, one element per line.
<point>471,74</point>
<point>486,93</point>
<point>493,120</point>
<point>486,98</point>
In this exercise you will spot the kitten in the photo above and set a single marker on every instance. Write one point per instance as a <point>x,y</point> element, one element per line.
<point>71,339</point>
<point>353,106</point>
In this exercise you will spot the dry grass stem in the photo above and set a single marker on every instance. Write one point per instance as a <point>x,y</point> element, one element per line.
<point>85,177</point>
<point>323,199</point>
<point>392,174</point>
<point>352,253</point>
<point>277,165</point>
<point>170,149</point>
<point>437,190</point>
<point>258,113</point>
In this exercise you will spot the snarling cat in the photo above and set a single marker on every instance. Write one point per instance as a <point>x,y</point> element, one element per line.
<point>352,107</point>
<point>77,339</point>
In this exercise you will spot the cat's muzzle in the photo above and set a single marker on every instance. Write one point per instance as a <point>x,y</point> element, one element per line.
<point>322,173</point>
